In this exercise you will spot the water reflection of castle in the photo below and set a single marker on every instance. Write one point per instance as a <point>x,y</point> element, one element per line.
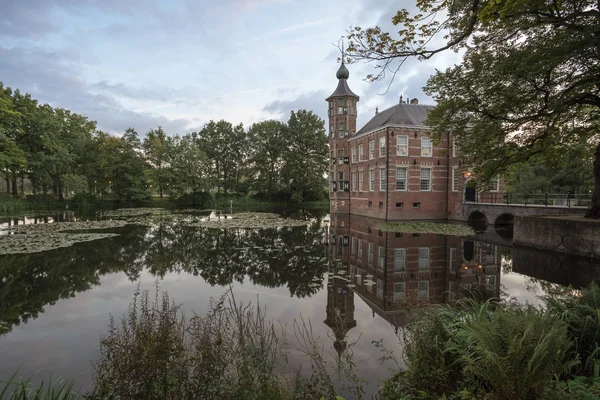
<point>394,272</point>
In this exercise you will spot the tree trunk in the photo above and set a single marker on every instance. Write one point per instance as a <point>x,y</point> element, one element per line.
<point>594,212</point>
<point>61,196</point>
<point>15,192</point>
<point>160,191</point>
<point>7,184</point>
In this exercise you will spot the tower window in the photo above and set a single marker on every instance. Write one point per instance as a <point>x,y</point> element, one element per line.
<point>342,129</point>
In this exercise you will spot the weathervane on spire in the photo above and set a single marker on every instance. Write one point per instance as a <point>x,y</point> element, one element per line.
<point>343,72</point>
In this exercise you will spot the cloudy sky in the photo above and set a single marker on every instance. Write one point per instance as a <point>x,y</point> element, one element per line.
<point>181,63</point>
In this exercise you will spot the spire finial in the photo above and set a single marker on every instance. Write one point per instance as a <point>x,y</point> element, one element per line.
<point>401,98</point>
<point>376,110</point>
<point>343,72</point>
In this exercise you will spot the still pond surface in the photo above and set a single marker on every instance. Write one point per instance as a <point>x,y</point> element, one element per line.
<point>350,280</point>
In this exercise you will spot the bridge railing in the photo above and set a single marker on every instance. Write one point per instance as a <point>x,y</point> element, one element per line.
<point>541,199</point>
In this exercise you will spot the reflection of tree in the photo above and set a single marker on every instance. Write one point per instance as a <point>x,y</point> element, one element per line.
<point>30,282</point>
<point>545,288</point>
<point>268,257</point>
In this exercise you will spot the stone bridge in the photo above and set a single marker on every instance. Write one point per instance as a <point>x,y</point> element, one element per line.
<point>502,214</point>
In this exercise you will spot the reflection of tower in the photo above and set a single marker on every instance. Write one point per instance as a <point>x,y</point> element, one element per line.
<point>340,298</point>
<point>340,311</point>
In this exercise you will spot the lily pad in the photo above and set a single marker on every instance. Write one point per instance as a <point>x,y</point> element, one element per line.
<point>35,238</point>
<point>39,242</point>
<point>130,212</point>
<point>248,221</point>
<point>63,227</point>
<point>439,228</point>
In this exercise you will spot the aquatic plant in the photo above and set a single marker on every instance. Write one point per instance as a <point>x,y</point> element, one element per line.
<point>35,238</point>
<point>438,228</point>
<point>248,220</point>
<point>231,352</point>
<point>19,389</point>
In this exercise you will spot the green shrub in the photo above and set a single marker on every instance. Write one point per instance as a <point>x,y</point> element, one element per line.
<point>580,388</point>
<point>481,348</point>
<point>195,199</point>
<point>10,204</point>
<point>512,352</point>
<point>581,313</point>
<point>86,201</point>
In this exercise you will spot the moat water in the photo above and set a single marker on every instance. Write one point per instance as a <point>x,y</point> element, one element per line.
<point>353,283</point>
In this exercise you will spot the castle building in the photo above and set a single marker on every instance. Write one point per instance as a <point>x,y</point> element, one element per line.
<point>391,168</point>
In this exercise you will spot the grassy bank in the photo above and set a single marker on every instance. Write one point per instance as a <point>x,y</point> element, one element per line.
<point>10,205</point>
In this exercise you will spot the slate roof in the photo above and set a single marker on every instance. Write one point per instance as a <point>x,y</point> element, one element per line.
<point>400,114</point>
<point>342,90</point>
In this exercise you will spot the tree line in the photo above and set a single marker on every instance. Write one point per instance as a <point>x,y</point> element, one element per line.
<point>64,153</point>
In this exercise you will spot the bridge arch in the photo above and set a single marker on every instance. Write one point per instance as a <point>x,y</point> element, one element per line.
<point>477,219</point>
<point>505,219</point>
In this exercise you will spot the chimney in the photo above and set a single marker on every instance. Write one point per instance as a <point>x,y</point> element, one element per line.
<point>401,99</point>
<point>376,110</point>
<point>414,101</point>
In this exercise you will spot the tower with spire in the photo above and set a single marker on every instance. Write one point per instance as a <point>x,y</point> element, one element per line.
<point>342,124</point>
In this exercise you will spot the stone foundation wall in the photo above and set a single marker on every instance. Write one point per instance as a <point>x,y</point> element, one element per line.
<point>565,234</point>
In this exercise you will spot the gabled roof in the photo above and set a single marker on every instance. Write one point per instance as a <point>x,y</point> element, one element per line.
<point>400,114</point>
